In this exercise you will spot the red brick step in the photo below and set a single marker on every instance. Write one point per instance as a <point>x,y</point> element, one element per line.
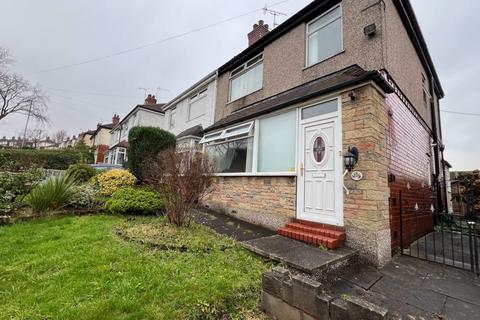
<point>317,234</point>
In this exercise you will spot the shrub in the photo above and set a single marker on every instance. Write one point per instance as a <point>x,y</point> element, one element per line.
<point>14,186</point>
<point>144,144</point>
<point>112,180</point>
<point>21,159</point>
<point>83,197</point>
<point>82,172</point>
<point>135,201</point>
<point>183,178</point>
<point>51,194</point>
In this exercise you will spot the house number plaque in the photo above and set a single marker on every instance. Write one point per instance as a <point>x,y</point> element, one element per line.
<point>356,175</point>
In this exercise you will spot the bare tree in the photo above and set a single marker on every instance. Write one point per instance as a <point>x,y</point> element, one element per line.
<point>60,136</point>
<point>183,178</point>
<point>35,136</point>
<point>17,95</point>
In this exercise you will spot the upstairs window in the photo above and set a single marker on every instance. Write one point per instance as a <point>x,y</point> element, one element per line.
<point>324,36</point>
<point>172,119</point>
<point>247,78</point>
<point>197,105</point>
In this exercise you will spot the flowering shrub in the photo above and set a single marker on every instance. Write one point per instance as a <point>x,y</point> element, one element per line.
<point>83,197</point>
<point>135,201</point>
<point>112,180</point>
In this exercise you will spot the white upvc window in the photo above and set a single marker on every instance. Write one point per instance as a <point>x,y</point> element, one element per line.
<point>262,147</point>
<point>246,78</point>
<point>121,156</point>
<point>324,36</point>
<point>171,122</point>
<point>197,104</point>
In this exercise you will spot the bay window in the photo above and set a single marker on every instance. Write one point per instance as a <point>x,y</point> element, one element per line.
<point>324,36</point>
<point>247,78</point>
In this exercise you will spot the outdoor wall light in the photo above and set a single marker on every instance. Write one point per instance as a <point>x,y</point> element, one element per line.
<point>351,158</point>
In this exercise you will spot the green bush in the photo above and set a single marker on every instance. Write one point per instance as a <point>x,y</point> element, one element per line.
<point>21,159</point>
<point>14,186</point>
<point>135,201</point>
<point>144,144</point>
<point>51,194</point>
<point>82,172</point>
<point>83,197</point>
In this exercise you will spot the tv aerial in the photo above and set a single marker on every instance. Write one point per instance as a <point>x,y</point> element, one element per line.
<point>274,13</point>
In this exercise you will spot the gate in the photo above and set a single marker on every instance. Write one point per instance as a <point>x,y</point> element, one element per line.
<point>451,239</point>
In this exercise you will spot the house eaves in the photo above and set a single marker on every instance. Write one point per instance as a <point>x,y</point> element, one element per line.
<point>191,90</point>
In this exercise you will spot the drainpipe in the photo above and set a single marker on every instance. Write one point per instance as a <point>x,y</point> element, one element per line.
<point>436,147</point>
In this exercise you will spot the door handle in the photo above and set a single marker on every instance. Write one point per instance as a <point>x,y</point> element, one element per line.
<point>302,168</point>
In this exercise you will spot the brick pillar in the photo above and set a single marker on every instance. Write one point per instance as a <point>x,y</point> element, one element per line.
<point>366,208</point>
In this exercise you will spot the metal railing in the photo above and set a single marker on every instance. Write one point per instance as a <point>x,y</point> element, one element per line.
<point>447,238</point>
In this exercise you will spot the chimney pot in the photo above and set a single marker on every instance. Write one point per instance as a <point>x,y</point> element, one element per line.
<point>116,119</point>
<point>150,100</point>
<point>259,31</point>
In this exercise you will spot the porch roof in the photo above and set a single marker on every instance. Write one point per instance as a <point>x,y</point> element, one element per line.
<point>340,79</point>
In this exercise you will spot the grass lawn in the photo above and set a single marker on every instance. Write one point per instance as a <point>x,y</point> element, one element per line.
<point>106,267</point>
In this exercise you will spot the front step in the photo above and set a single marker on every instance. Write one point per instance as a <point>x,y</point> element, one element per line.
<point>317,234</point>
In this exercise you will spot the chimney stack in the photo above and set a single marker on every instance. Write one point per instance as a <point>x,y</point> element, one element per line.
<point>150,100</point>
<point>259,31</point>
<point>116,119</point>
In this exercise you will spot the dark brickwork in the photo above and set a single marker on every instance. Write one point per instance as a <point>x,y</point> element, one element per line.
<point>409,153</point>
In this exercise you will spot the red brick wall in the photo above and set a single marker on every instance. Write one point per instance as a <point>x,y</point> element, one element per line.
<point>408,144</point>
<point>101,150</point>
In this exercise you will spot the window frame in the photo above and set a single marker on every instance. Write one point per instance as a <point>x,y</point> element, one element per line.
<point>254,125</point>
<point>171,119</point>
<point>241,70</point>
<point>199,95</point>
<point>308,33</point>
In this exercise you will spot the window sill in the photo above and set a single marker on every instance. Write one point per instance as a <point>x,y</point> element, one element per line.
<point>232,101</point>
<point>258,174</point>
<point>324,60</point>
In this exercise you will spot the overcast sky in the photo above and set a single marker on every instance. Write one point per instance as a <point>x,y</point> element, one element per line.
<point>45,34</point>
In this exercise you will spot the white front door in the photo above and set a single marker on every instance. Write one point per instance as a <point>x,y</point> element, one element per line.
<point>320,194</point>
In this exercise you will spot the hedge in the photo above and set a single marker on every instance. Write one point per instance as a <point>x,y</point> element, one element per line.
<point>21,159</point>
<point>144,144</point>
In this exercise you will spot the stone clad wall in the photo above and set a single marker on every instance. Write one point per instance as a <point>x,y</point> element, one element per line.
<point>366,214</point>
<point>287,297</point>
<point>265,201</point>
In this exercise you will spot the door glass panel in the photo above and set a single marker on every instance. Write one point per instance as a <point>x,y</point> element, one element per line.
<point>319,149</point>
<point>320,109</point>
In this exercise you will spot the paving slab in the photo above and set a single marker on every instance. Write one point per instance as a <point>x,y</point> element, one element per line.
<point>415,289</point>
<point>229,226</point>
<point>457,309</point>
<point>364,277</point>
<point>295,253</point>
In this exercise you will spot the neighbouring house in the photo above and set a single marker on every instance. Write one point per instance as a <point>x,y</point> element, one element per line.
<point>46,143</point>
<point>86,137</point>
<point>148,114</point>
<point>101,139</point>
<point>191,111</point>
<point>294,108</point>
<point>17,143</point>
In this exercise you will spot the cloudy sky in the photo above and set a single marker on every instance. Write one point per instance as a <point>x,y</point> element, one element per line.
<point>42,35</point>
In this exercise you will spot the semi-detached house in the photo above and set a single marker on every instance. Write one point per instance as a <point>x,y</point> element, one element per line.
<point>185,116</point>
<point>291,109</point>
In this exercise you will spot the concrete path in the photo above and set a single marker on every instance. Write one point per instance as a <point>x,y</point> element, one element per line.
<point>415,289</point>
<point>229,226</point>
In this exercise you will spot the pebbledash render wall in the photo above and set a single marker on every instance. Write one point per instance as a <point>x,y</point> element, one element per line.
<point>271,201</point>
